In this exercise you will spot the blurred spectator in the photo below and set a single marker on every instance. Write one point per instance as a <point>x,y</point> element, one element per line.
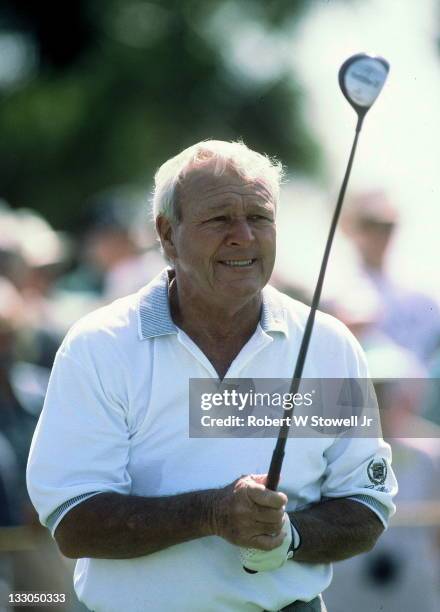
<point>121,253</point>
<point>32,256</point>
<point>9,513</point>
<point>22,386</point>
<point>402,573</point>
<point>44,250</point>
<point>431,400</point>
<point>359,308</point>
<point>12,262</point>
<point>46,253</point>
<point>410,318</point>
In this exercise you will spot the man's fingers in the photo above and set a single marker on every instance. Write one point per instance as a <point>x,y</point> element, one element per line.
<point>266,498</point>
<point>250,515</point>
<point>259,478</point>
<point>270,519</point>
<point>269,528</point>
<point>269,515</point>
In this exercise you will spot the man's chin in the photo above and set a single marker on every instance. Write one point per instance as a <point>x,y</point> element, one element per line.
<point>244,287</point>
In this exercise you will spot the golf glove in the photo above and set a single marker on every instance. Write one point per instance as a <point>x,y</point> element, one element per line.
<point>255,560</point>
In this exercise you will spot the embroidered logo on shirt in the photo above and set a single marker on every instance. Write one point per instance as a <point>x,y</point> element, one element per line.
<point>377,471</point>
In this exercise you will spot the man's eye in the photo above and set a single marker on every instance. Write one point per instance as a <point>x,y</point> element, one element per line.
<point>219,218</point>
<point>259,218</point>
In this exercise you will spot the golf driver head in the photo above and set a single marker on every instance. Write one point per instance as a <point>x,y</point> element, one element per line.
<point>361,78</point>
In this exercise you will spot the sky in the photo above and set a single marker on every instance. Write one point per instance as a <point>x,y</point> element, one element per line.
<point>399,148</point>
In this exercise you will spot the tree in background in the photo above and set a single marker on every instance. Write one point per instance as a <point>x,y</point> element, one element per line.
<point>102,92</point>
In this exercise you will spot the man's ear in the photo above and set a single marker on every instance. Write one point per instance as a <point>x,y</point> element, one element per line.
<point>165,232</point>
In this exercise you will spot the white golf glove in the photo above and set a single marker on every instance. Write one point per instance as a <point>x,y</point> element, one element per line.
<point>266,560</point>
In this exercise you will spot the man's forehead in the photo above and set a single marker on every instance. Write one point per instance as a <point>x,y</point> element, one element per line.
<point>203,181</point>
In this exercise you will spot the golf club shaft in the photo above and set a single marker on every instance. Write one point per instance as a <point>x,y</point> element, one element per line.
<point>278,453</point>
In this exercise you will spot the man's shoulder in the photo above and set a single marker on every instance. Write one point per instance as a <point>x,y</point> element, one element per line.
<point>108,325</point>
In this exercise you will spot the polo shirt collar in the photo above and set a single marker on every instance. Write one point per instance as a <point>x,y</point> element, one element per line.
<point>154,316</point>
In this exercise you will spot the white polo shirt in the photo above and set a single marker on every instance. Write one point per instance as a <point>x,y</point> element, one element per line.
<point>116,419</point>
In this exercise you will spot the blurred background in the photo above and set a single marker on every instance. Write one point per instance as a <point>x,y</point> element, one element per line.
<point>95,95</point>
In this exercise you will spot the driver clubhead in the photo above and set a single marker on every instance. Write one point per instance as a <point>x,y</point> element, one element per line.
<point>361,78</point>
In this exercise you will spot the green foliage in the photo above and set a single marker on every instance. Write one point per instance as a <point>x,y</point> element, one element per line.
<point>149,79</point>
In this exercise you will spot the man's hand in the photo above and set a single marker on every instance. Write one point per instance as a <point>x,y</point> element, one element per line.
<point>114,526</point>
<point>254,560</point>
<point>247,514</point>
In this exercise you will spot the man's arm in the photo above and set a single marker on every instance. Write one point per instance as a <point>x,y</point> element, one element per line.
<point>114,526</point>
<point>335,529</point>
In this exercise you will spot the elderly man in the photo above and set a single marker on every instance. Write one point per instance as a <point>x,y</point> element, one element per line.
<point>155,517</point>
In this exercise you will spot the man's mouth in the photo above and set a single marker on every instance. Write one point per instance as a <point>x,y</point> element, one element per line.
<point>238,263</point>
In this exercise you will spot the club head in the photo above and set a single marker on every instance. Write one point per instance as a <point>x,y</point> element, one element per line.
<point>361,78</point>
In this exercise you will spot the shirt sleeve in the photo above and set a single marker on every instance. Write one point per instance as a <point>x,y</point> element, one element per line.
<point>81,444</point>
<point>359,467</point>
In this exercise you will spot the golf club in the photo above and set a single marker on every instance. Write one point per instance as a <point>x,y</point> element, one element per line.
<point>361,79</point>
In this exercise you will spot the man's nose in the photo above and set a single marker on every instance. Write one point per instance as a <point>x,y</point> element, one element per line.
<point>240,232</point>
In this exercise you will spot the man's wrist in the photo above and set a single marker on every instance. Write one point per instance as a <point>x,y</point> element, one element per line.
<point>209,512</point>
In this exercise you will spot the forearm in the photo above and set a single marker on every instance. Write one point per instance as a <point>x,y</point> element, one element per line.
<point>334,530</point>
<point>113,526</point>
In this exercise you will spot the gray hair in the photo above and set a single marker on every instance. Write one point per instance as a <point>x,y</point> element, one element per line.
<point>247,163</point>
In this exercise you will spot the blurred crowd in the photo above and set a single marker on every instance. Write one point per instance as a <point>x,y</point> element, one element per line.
<point>399,330</point>
<point>49,279</point>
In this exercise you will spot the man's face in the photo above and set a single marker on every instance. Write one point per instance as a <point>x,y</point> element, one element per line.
<point>373,238</point>
<point>224,244</point>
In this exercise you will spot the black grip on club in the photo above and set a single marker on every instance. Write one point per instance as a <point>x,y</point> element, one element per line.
<point>276,463</point>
